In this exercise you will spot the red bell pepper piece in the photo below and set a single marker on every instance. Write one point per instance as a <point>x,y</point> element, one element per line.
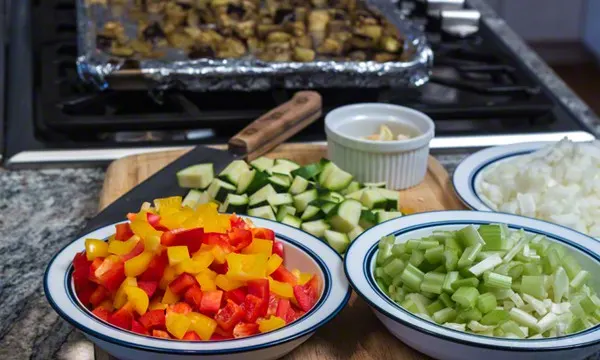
<point>81,269</point>
<point>218,337</point>
<point>161,334</point>
<point>278,249</point>
<point>153,319</point>
<point>221,240</point>
<point>240,238</point>
<point>138,249</point>
<point>180,308</point>
<point>313,283</point>
<point>154,220</point>
<point>237,222</point>
<point>294,315</point>
<point>273,304</point>
<point>85,292</point>
<point>211,302</point>
<point>193,296</point>
<point>182,283</point>
<point>92,269</point>
<point>123,232</point>
<point>253,308</point>
<point>101,313</point>
<point>228,317</point>
<point>263,233</point>
<point>136,327</point>
<point>192,238</point>
<point>284,275</point>
<point>306,296</point>
<point>156,268</point>
<point>260,289</point>
<point>148,286</point>
<point>98,296</point>
<point>282,308</point>
<point>191,336</point>
<point>236,295</point>
<point>122,318</point>
<point>219,268</point>
<point>244,330</point>
<point>111,273</point>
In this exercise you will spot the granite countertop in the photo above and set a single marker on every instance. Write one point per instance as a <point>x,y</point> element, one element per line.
<point>43,210</point>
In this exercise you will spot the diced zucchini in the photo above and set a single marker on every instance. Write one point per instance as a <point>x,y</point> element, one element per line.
<point>302,200</point>
<point>312,213</point>
<point>292,221</point>
<point>353,234</point>
<point>276,200</point>
<point>233,171</point>
<point>285,210</point>
<point>379,185</point>
<point>265,212</point>
<point>373,199</point>
<point>260,197</point>
<point>299,185</point>
<point>316,228</point>
<point>345,216</point>
<point>308,172</point>
<point>327,167</point>
<point>219,189</point>
<point>195,198</point>
<point>262,163</point>
<point>328,207</point>
<point>337,179</point>
<point>387,215</point>
<point>355,195</point>
<point>337,240</point>
<point>367,219</point>
<point>196,176</point>
<point>236,203</point>
<point>281,183</point>
<point>250,181</point>
<point>392,198</point>
<point>287,162</point>
<point>332,197</point>
<point>354,186</point>
<point>283,167</point>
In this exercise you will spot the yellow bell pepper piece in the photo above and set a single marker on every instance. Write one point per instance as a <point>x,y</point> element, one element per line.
<point>206,280</point>
<point>259,246</point>
<point>303,278</point>
<point>120,296</point>
<point>202,325</point>
<point>190,266</point>
<point>137,265</point>
<point>138,298</point>
<point>219,254</point>
<point>173,202</point>
<point>169,298</point>
<point>204,257</point>
<point>270,324</point>
<point>177,324</point>
<point>123,247</point>
<point>274,262</point>
<point>227,284</point>
<point>141,228</point>
<point>281,289</point>
<point>175,218</point>
<point>177,254</point>
<point>169,275</point>
<point>95,248</point>
<point>155,304</point>
<point>246,267</point>
<point>152,243</point>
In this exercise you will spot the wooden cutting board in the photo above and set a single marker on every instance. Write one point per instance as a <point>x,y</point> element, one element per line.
<point>355,333</point>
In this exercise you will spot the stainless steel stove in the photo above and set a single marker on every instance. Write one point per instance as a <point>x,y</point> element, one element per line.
<point>480,94</point>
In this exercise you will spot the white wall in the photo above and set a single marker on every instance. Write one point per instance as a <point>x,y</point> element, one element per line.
<point>592,26</point>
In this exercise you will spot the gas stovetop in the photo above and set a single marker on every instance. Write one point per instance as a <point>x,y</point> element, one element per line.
<point>479,95</point>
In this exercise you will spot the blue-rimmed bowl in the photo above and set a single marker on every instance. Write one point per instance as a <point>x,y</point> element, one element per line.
<point>444,343</point>
<point>303,251</point>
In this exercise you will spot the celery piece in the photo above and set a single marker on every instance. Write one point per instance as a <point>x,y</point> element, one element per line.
<point>435,306</point>
<point>587,305</point>
<point>381,284</point>
<point>516,286</point>
<point>410,305</point>
<point>466,296</point>
<point>515,249</point>
<point>512,327</point>
<point>534,286</point>
<point>449,279</point>
<point>517,300</point>
<point>468,236</point>
<point>399,249</point>
<point>470,314</point>
<point>452,243</point>
<point>397,280</point>
<point>537,305</point>
<point>389,239</point>
<point>571,266</point>
<point>385,251</point>
<point>580,279</point>
<point>532,269</point>
<point>547,322</point>
<point>425,244</point>
<point>469,255</point>
<point>440,269</point>
<point>455,326</point>
<point>495,280</point>
<point>394,267</point>
<point>516,271</point>
<point>435,255</point>
<point>492,236</point>
<point>450,259</point>
<point>444,315</point>
<point>477,327</point>
<point>486,254</point>
<point>445,298</point>
<point>472,282</point>
<point>486,302</point>
<point>495,317</point>
<point>551,261</point>
<point>412,276</point>
<point>420,301</point>
<point>523,318</point>
<point>485,265</point>
<point>431,287</point>
<point>417,257</point>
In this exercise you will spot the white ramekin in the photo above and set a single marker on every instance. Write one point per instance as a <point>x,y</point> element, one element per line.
<point>401,163</point>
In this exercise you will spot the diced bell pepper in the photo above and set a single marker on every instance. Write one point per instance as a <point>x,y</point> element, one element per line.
<point>247,267</point>
<point>137,265</point>
<point>177,324</point>
<point>95,248</point>
<point>259,246</point>
<point>202,325</point>
<point>225,283</point>
<point>270,324</point>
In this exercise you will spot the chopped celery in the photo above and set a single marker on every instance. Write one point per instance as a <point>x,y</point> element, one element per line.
<point>571,266</point>
<point>445,298</point>
<point>399,249</point>
<point>533,285</point>
<point>394,267</point>
<point>495,317</point>
<point>473,282</point>
<point>470,314</point>
<point>512,327</point>
<point>495,280</point>
<point>492,236</point>
<point>486,302</point>
<point>466,296</point>
<point>417,257</point>
<point>580,279</point>
<point>469,236</point>
<point>450,259</point>
<point>469,255</point>
<point>412,276</point>
<point>477,327</point>
<point>523,318</point>
<point>449,279</point>
<point>385,251</point>
<point>532,269</point>
<point>444,315</point>
<point>435,255</point>
<point>485,265</point>
<point>515,249</point>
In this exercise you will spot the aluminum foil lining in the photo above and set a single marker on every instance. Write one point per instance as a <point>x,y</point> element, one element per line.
<point>175,69</point>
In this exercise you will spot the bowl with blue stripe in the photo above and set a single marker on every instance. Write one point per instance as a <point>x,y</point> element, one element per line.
<point>303,251</point>
<point>446,343</point>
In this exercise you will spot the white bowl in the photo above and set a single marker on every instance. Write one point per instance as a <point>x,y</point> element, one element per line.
<point>303,251</point>
<point>444,343</point>
<point>400,163</point>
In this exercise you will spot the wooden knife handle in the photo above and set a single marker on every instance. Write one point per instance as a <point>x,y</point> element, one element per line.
<point>276,126</point>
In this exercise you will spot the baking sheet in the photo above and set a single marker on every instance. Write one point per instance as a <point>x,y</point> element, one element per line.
<point>175,69</point>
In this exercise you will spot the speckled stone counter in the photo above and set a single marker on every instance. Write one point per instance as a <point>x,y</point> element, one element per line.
<point>42,210</point>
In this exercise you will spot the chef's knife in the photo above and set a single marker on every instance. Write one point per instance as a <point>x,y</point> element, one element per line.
<point>258,138</point>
